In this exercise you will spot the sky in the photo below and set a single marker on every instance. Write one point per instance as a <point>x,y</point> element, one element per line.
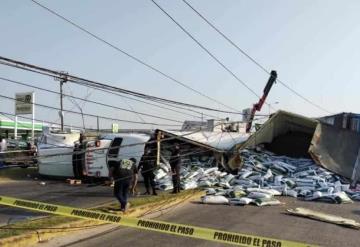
<point>312,44</point>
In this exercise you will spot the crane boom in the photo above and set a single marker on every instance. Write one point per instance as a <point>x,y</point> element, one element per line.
<point>258,105</point>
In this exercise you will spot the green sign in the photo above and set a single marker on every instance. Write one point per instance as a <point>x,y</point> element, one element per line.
<point>115,128</point>
<point>20,125</point>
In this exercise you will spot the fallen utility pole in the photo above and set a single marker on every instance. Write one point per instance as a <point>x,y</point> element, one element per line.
<point>158,139</point>
<point>258,105</point>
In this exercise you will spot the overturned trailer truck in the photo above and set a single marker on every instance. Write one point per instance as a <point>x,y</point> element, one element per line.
<point>298,136</point>
<point>210,148</point>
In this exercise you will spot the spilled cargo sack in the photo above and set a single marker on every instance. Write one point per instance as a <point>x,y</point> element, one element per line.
<point>214,200</point>
<point>266,202</point>
<point>241,201</point>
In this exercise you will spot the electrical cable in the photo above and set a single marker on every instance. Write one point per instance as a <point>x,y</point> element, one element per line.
<point>251,58</point>
<point>134,144</point>
<point>129,55</point>
<point>22,159</point>
<point>92,115</point>
<point>159,106</point>
<point>113,147</point>
<point>106,87</point>
<point>206,50</point>
<point>87,100</point>
<point>117,94</point>
<point>128,145</point>
<point>106,91</point>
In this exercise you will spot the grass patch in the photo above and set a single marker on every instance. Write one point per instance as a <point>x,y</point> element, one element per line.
<point>35,224</point>
<point>54,221</point>
<point>17,173</point>
<point>140,201</point>
<point>162,197</point>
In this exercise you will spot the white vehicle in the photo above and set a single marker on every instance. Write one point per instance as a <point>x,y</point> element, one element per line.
<point>95,156</point>
<point>55,152</point>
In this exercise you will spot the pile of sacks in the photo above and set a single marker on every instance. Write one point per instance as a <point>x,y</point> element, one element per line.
<point>193,175</point>
<point>262,177</point>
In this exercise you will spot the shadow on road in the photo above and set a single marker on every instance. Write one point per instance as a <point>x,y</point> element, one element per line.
<point>17,174</point>
<point>83,194</point>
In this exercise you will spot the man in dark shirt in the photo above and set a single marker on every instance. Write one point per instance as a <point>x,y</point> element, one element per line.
<point>147,165</point>
<point>175,163</point>
<point>123,173</point>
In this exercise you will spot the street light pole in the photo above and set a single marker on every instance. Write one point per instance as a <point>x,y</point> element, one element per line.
<point>61,106</point>
<point>63,79</point>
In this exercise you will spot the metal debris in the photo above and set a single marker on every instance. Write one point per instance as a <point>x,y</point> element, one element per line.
<point>324,217</point>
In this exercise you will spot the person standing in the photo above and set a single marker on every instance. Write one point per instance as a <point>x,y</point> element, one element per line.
<point>134,179</point>
<point>147,166</point>
<point>175,163</point>
<point>124,175</point>
<point>3,145</point>
<point>2,149</point>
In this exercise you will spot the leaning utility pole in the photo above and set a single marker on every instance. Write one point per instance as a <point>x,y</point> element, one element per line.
<point>158,147</point>
<point>63,79</point>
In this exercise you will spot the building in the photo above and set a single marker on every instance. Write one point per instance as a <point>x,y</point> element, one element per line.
<point>7,128</point>
<point>214,125</point>
<point>345,120</point>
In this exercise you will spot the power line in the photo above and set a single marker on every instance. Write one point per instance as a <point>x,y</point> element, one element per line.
<point>159,106</point>
<point>129,55</point>
<point>172,137</point>
<point>214,134</point>
<point>120,95</point>
<point>206,50</point>
<point>137,114</point>
<point>100,86</point>
<point>92,115</point>
<point>86,100</point>
<point>106,87</point>
<point>251,58</point>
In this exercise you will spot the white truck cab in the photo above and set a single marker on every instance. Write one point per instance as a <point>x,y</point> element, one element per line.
<point>98,154</point>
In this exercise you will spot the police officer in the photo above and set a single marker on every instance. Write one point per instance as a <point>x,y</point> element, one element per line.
<point>124,174</point>
<point>175,163</point>
<point>147,166</point>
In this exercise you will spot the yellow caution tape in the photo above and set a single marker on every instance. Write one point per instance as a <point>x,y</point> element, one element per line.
<point>153,225</point>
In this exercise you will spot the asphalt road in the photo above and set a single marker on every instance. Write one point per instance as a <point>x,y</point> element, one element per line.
<point>54,191</point>
<point>266,221</point>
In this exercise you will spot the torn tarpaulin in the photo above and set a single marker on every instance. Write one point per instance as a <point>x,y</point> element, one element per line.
<point>340,159</point>
<point>285,133</point>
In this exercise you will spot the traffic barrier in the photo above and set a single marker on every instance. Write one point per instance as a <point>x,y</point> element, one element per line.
<point>153,225</point>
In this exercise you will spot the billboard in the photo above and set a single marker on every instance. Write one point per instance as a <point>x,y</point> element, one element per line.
<point>24,103</point>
